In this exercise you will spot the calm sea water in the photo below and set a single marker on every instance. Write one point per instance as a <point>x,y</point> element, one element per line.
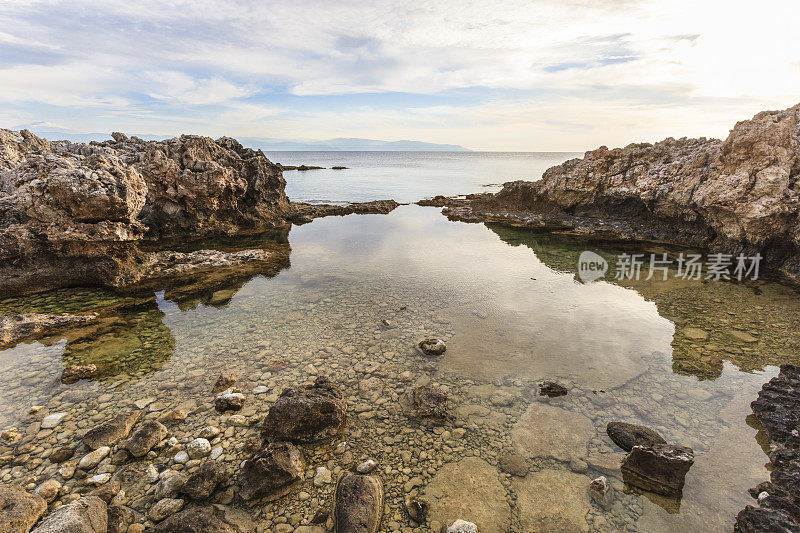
<point>408,176</point>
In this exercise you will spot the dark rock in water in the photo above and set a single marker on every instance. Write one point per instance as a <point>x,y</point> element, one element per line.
<point>428,402</point>
<point>119,518</point>
<point>626,435</point>
<point>144,438</point>
<point>552,389</point>
<point>308,212</point>
<point>417,509</point>
<point>777,408</point>
<point>205,480</point>
<point>660,468</point>
<point>338,168</point>
<point>306,414</point>
<point>225,381</point>
<point>75,373</point>
<point>436,201</point>
<point>359,504</point>
<point>64,453</point>
<point>19,510</point>
<point>432,346</point>
<point>111,432</point>
<point>277,465</point>
<point>514,464</point>
<point>229,400</point>
<point>204,520</point>
<point>86,515</point>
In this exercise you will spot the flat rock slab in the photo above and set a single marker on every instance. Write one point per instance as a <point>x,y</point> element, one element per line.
<point>111,432</point>
<point>469,490</point>
<point>359,504</point>
<point>548,431</point>
<point>553,501</point>
<point>19,510</point>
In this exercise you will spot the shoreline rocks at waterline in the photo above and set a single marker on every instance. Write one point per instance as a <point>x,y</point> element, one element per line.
<point>660,468</point>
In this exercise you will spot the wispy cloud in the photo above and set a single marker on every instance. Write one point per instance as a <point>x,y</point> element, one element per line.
<point>549,74</point>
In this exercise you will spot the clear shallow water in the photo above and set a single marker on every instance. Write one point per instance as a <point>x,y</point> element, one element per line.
<point>408,176</point>
<point>512,313</point>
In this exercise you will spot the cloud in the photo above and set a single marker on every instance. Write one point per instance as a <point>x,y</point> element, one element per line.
<point>426,70</point>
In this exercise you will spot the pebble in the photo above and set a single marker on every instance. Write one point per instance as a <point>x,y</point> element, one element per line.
<point>367,466</point>
<point>99,479</point>
<point>322,477</point>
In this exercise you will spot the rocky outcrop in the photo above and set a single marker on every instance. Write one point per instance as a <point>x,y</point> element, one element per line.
<point>17,328</point>
<point>740,195</point>
<point>779,498</point>
<point>307,413</point>
<point>75,213</point>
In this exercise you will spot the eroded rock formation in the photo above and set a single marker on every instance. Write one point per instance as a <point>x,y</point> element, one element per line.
<point>740,195</point>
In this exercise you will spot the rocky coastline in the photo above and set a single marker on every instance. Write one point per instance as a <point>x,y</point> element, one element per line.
<point>740,195</point>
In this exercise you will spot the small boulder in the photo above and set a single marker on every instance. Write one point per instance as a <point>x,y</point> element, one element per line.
<point>164,508</point>
<point>144,438</point>
<point>428,402</point>
<point>462,526</point>
<point>93,458</point>
<point>225,381</point>
<point>75,373</point>
<point>203,520</point>
<point>626,435</point>
<point>277,465</point>
<point>170,484</point>
<point>432,346</point>
<point>119,518</point>
<point>230,399</point>
<point>198,447</point>
<point>113,431</point>
<point>307,413</point>
<point>417,509</point>
<point>358,504</point>
<point>202,483</point>
<point>86,515</point>
<point>59,455</point>
<point>18,509</point>
<point>600,491</point>
<point>660,468</point>
<point>48,490</point>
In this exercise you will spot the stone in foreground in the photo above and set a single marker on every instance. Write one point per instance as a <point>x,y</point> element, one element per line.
<point>660,468</point>
<point>277,465</point>
<point>18,509</point>
<point>86,515</point>
<point>432,346</point>
<point>626,435</point>
<point>206,520</point>
<point>359,504</point>
<point>230,399</point>
<point>144,438</point>
<point>111,432</point>
<point>307,413</point>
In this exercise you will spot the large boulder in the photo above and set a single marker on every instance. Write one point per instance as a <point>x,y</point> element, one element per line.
<point>19,510</point>
<point>276,466</point>
<point>660,468</point>
<point>86,515</point>
<point>307,413</point>
<point>358,504</point>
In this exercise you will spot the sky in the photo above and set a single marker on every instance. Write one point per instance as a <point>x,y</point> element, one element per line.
<point>538,75</point>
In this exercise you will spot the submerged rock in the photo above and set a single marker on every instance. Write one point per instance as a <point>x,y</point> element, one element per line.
<point>660,468</point>
<point>201,484</point>
<point>225,381</point>
<point>417,509</point>
<point>231,399</point>
<point>600,491</point>
<point>19,511</point>
<point>86,515</point>
<point>428,402</point>
<point>358,504</point>
<point>432,346</point>
<point>552,389</point>
<point>75,373</point>
<point>277,465</point>
<point>146,437</point>
<point>626,435</point>
<point>113,431</point>
<point>307,413</point>
<point>17,328</point>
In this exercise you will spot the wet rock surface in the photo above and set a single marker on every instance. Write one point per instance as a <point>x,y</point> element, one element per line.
<point>432,346</point>
<point>778,409</point>
<point>277,465</point>
<point>306,414</point>
<point>86,515</point>
<point>358,504</point>
<point>304,213</point>
<point>14,329</point>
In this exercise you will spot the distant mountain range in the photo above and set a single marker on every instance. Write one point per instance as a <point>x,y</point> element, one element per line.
<point>54,132</point>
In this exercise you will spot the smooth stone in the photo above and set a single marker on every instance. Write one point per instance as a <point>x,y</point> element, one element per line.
<point>144,438</point>
<point>51,421</point>
<point>626,435</point>
<point>93,458</point>
<point>164,508</point>
<point>48,490</point>
<point>548,431</point>
<point>358,504</point>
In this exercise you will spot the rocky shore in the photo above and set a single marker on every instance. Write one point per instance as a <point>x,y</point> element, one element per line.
<point>740,195</point>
